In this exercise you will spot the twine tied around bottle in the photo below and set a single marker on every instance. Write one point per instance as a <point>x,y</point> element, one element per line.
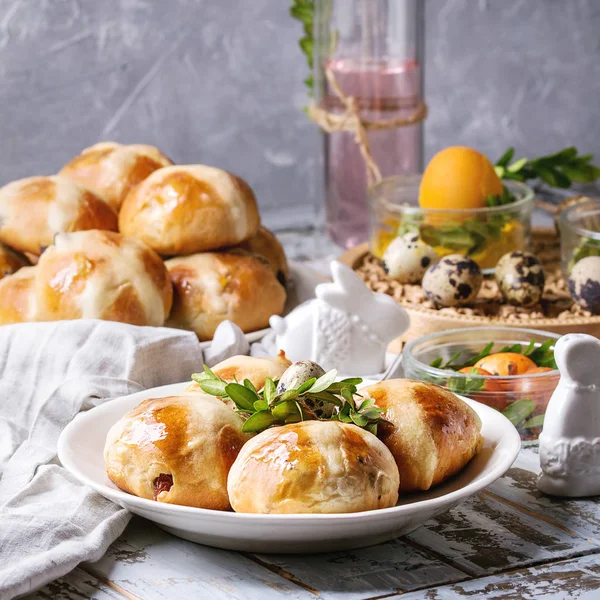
<point>351,121</point>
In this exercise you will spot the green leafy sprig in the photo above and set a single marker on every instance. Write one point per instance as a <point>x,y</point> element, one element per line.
<point>266,407</point>
<point>542,356</point>
<point>304,11</point>
<point>559,170</point>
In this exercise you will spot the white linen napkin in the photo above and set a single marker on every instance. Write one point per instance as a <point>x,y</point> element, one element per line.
<point>49,522</point>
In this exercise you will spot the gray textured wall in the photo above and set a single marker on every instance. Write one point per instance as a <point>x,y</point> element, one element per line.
<point>220,81</point>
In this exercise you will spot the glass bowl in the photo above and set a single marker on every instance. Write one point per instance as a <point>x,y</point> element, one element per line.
<point>579,226</point>
<point>485,234</point>
<point>521,398</point>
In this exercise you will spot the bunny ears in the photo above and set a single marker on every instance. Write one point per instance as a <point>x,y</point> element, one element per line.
<point>348,293</point>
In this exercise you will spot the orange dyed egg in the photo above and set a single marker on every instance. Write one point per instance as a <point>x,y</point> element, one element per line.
<point>506,363</point>
<point>458,178</point>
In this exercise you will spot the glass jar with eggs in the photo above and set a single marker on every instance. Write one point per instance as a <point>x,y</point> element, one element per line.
<point>458,206</point>
<point>510,369</point>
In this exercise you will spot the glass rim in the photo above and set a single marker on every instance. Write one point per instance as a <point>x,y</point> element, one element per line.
<point>563,221</point>
<point>526,192</point>
<point>407,353</point>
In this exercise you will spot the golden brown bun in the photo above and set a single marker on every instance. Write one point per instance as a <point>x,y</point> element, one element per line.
<point>17,297</point>
<point>433,434</point>
<point>313,467</point>
<point>265,243</point>
<point>10,261</point>
<point>212,287</point>
<point>188,462</point>
<point>187,209</point>
<point>102,275</point>
<point>34,210</point>
<point>238,368</point>
<point>111,170</point>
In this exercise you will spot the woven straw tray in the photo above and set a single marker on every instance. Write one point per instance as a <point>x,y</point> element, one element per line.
<point>426,320</point>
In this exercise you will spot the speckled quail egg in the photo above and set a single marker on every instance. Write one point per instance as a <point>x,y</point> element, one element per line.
<point>584,283</point>
<point>407,258</point>
<point>520,278</point>
<point>297,374</point>
<point>453,281</point>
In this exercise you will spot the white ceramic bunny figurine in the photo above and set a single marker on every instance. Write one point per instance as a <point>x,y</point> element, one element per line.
<point>570,439</point>
<point>347,326</point>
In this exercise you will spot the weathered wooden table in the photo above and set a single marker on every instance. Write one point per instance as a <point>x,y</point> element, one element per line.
<point>508,542</point>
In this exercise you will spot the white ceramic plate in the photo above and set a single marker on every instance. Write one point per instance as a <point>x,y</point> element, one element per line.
<point>301,287</point>
<point>80,449</point>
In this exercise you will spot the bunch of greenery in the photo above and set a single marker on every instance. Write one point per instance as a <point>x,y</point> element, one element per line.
<point>265,408</point>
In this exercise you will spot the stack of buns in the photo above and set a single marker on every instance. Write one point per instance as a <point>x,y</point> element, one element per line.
<point>123,234</point>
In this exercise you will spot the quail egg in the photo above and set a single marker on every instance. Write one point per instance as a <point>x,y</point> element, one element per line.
<point>584,283</point>
<point>407,258</point>
<point>520,278</point>
<point>297,374</point>
<point>453,281</point>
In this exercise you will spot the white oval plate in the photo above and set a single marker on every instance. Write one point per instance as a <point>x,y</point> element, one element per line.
<point>80,450</point>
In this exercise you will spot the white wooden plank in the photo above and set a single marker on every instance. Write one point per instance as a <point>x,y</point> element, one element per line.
<point>484,535</point>
<point>368,572</point>
<point>152,564</point>
<point>77,585</point>
<point>518,486</point>
<point>577,579</point>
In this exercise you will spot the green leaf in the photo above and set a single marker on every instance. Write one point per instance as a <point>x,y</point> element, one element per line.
<point>536,421</point>
<point>471,363</point>
<point>209,372</point>
<point>349,398</point>
<point>367,403</point>
<point>326,397</point>
<point>258,421</point>
<point>282,410</point>
<point>306,385</point>
<point>249,385</point>
<point>372,413</point>
<point>242,396</point>
<point>198,377</point>
<point>506,157</point>
<point>530,348</point>
<point>454,357</point>
<point>289,395</point>
<point>302,13</point>
<point>358,419</point>
<point>214,387</point>
<point>324,381</point>
<point>261,405</point>
<point>269,391</point>
<point>372,427</point>
<point>352,380</point>
<point>517,165</point>
<point>518,411</point>
<point>437,363</point>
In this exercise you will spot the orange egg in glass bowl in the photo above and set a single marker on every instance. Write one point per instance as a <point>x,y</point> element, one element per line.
<point>509,369</point>
<point>485,233</point>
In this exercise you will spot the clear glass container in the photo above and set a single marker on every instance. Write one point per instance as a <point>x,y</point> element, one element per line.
<point>485,234</point>
<point>373,50</point>
<point>521,398</point>
<point>579,226</point>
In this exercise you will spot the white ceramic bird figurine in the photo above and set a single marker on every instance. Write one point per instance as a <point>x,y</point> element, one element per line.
<point>570,439</point>
<point>347,326</point>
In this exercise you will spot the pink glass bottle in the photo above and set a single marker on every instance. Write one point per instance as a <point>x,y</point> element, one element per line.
<point>373,48</point>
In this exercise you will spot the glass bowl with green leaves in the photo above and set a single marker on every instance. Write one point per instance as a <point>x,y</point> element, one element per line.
<point>455,360</point>
<point>484,234</point>
<point>579,225</point>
